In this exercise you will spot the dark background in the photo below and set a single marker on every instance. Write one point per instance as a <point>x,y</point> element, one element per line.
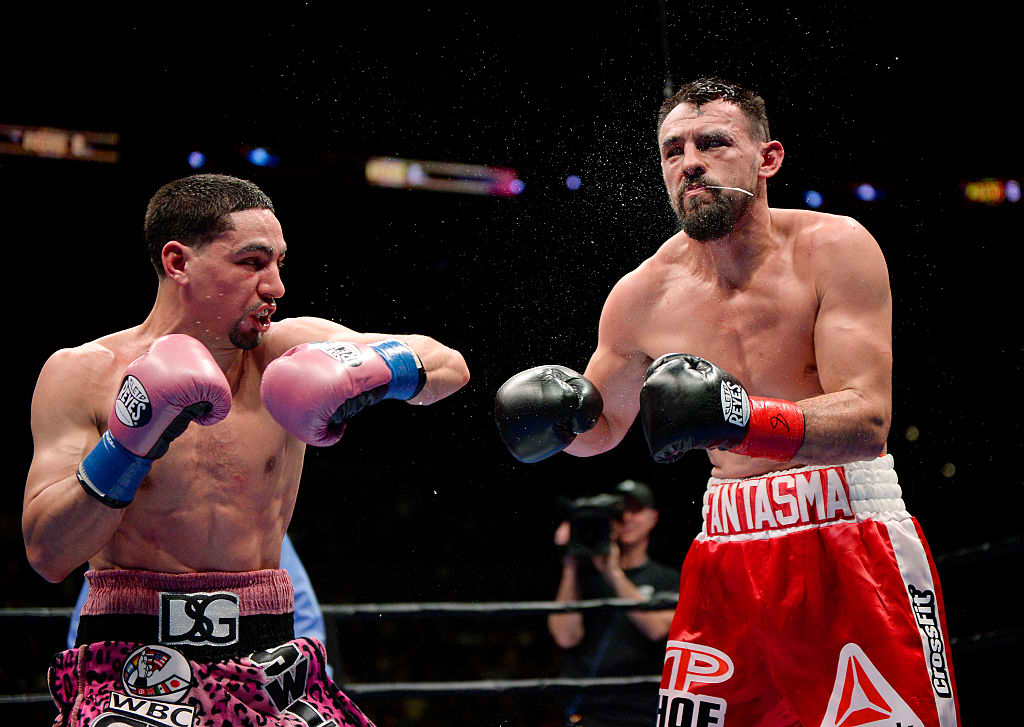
<point>426,504</point>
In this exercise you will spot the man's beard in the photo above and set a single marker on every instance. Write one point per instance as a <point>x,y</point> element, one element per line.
<point>709,220</point>
<point>245,340</point>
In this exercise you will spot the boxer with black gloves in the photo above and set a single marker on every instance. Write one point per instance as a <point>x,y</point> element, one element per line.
<point>803,580</point>
<point>182,526</point>
<point>689,403</point>
<point>541,410</point>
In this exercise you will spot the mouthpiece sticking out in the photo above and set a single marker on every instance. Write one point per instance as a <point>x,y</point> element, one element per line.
<point>734,189</point>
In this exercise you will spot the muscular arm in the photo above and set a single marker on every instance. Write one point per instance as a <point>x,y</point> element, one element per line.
<point>63,527</point>
<point>445,367</point>
<point>617,368</point>
<point>853,348</point>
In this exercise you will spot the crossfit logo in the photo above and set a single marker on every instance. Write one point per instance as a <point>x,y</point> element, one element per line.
<point>735,404</point>
<point>687,664</point>
<point>862,696</point>
<point>928,621</point>
<point>132,403</point>
<point>199,618</point>
<point>344,353</point>
<point>156,672</point>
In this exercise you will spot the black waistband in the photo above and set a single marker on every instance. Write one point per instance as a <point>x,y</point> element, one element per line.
<point>206,642</point>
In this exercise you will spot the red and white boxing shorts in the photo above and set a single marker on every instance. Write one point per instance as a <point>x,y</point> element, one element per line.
<point>809,598</point>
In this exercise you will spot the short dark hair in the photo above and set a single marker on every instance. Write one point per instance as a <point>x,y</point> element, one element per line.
<point>708,89</point>
<point>195,209</point>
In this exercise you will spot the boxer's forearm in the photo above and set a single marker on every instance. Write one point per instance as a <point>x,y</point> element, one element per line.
<point>843,426</point>
<point>445,368</point>
<point>599,439</point>
<point>63,527</point>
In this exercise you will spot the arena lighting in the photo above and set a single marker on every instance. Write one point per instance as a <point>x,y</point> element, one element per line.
<point>990,191</point>
<point>866,192</point>
<point>196,159</point>
<point>437,176</point>
<point>813,199</point>
<point>260,157</point>
<point>44,141</point>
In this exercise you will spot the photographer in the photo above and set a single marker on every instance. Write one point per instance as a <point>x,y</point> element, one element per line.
<point>606,539</point>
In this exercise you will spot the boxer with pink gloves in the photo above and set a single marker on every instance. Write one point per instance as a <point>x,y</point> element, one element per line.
<point>182,526</point>
<point>175,382</point>
<point>315,388</point>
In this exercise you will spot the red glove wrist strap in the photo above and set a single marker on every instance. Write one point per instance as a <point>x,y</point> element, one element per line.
<point>775,430</point>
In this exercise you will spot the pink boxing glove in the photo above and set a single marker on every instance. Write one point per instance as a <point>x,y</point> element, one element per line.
<point>163,390</point>
<point>314,388</point>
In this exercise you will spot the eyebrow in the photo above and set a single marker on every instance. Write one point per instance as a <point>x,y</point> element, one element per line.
<point>715,134</point>
<point>259,247</point>
<point>701,136</point>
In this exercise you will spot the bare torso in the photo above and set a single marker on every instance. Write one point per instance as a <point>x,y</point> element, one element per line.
<point>760,329</point>
<point>222,496</point>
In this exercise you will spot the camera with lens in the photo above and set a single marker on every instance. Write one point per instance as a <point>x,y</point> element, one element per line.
<point>590,523</point>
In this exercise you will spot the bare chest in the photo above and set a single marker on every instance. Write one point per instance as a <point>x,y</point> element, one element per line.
<point>243,460</point>
<point>763,334</point>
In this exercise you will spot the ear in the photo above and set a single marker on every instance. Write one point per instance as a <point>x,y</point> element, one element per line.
<point>174,257</point>
<point>771,159</point>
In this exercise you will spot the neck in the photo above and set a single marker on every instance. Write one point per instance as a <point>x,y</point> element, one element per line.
<point>633,555</point>
<point>733,259</point>
<point>173,313</point>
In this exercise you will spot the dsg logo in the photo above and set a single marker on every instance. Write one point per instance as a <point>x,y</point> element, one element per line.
<point>199,618</point>
<point>687,664</point>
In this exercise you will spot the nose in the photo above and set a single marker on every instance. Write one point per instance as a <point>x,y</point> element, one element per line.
<point>271,285</point>
<point>693,163</point>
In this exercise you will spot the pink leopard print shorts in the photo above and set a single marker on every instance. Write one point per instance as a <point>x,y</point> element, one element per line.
<point>197,649</point>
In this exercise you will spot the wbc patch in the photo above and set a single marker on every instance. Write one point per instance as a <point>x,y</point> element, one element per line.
<point>157,672</point>
<point>125,710</point>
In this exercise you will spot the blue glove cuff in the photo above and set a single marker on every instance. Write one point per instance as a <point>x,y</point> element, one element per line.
<point>407,374</point>
<point>111,473</point>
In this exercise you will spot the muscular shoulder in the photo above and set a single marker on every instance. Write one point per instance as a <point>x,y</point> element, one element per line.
<point>86,363</point>
<point>631,296</point>
<point>834,248</point>
<point>77,380</point>
<point>819,235</point>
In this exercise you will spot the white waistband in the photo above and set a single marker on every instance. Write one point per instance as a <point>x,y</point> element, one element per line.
<point>779,503</point>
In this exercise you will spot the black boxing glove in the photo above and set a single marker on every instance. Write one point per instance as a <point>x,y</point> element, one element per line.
<point>689,403</point>
<point>541,410</point>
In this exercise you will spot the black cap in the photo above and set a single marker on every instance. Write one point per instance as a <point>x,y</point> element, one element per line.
<point>638,491</point>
